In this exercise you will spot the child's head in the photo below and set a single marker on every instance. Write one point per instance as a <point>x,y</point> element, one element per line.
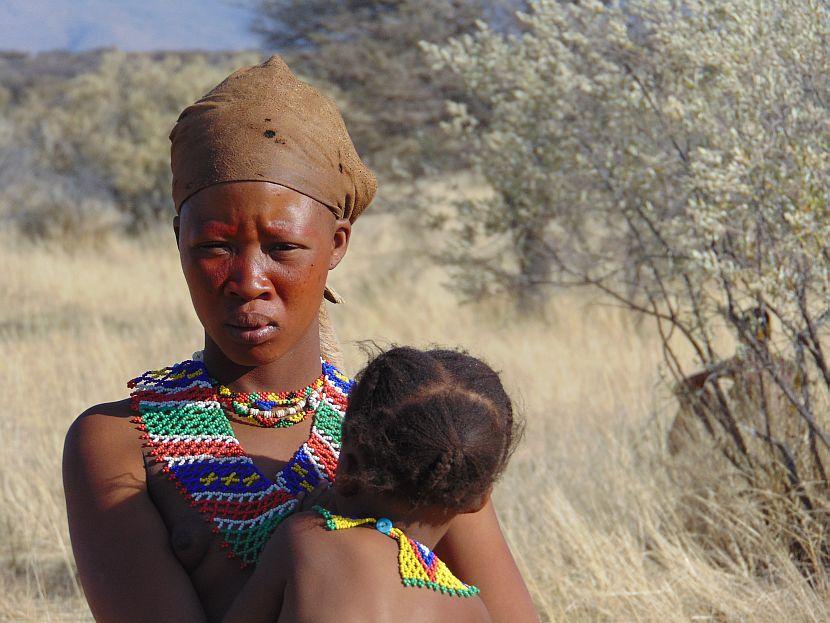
<point>429,428</point>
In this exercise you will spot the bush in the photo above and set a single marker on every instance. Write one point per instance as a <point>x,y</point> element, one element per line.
<point>91,152</point>
<point>674,156</point>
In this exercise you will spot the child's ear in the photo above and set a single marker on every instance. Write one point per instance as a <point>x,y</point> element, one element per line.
<point>347,465</point>
<point>481,502</point>
<point>350,462</point>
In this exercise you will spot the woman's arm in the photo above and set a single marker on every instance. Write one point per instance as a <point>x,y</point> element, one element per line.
<point>120,542</point>
<point>475,549</point>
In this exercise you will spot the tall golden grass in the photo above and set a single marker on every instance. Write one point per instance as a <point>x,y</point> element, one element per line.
<point>594,511</point>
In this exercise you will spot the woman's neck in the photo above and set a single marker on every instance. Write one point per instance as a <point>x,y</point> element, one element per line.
<point>296,368</point>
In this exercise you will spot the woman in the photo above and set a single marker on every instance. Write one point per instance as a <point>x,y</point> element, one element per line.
<point>266,184</point>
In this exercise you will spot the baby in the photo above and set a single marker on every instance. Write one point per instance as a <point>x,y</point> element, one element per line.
<point>426,434</point>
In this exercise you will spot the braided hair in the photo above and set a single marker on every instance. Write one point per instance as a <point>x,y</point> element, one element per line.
<point>431,428</point>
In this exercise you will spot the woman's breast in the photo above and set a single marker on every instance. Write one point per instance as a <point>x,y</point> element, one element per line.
<point>216,578</point>
<point>190,533</point>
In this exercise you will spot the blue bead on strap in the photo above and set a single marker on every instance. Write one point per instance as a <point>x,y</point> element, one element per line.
<point>383,525</point>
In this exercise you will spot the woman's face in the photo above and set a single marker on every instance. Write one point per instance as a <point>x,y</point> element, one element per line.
<point>256,256</point>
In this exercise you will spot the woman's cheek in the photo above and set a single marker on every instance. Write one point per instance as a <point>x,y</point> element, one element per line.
<point>210,274</point>
<point>301,281</point>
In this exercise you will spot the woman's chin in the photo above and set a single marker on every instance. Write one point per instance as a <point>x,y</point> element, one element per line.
<point>251,352</point>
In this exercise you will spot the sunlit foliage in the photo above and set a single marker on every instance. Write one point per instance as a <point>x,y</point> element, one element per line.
<point>675,156</point>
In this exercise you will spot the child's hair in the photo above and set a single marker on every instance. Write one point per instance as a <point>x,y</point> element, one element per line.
<point>432,428</point>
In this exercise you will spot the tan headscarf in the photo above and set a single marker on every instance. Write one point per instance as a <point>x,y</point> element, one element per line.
<point>264,124</point>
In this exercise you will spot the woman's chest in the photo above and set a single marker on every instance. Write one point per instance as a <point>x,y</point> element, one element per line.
<point>216,578</point>
<point>206,501</point>
<point>207,532</point>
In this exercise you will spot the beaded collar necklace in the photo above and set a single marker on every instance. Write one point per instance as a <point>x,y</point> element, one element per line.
<point>179,411</point>
<point>417,564</point>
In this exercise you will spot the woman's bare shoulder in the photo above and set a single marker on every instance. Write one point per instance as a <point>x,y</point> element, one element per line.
<point>104,437</point>
<point>109,419</point>
<point>116,529</point>
<point>106,413</point>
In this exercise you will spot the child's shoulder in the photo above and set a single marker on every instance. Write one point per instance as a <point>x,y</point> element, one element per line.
<point>305,536</point>
<point>299,531</point>
<point>300,522</point>
<point>306,531</point>
<point>314,549</point>
<point>332,566</point>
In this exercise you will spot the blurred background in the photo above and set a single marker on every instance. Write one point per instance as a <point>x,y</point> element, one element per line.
<point>621,205</point>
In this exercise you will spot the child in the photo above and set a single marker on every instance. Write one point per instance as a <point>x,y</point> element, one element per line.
<point>425,436</point>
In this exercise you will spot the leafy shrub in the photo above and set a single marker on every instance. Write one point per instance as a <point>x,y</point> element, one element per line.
<point>91,152</point>
<point>369,50</point>
<point>674,156</point>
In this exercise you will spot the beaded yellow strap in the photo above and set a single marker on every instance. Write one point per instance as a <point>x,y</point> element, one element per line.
<point>417,564</point>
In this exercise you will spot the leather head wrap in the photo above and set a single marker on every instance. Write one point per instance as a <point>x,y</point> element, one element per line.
<point>263,124</point>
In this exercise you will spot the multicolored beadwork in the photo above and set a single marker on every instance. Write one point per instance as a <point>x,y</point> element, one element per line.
<point>270,409</point>
<point>417,564</point>
<point>185,428</point>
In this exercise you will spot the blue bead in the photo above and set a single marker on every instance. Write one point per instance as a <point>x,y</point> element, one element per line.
<point>383,525</point>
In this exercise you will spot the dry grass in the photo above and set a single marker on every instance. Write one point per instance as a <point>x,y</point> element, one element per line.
<point>590,505</point>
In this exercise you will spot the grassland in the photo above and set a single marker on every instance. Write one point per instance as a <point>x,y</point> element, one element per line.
<point>593,508</point>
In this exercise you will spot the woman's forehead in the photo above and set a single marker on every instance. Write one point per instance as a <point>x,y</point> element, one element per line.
<point>225,208</point>
<point>236,201</point>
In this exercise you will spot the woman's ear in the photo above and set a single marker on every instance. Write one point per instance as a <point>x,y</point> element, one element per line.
<point>176,228</point>
<point>340,241</point>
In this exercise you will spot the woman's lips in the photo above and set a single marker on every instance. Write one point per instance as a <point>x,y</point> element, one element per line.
<point>251,328</point>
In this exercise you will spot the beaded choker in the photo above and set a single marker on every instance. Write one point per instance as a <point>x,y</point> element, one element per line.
<point>267,409</point>
<point>185,428</point>
<point>260,407</point>
<point>417,564</point>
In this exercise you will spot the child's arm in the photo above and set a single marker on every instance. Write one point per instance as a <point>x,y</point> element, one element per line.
<point>260,600</point>
<point>475,549</point>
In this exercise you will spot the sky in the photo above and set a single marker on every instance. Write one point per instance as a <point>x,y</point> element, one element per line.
<point>133,25</point>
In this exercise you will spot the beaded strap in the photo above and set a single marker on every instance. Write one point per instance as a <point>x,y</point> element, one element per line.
<point>417,564</point>
<point>185,428</point>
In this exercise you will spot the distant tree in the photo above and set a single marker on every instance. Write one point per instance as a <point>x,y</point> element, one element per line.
<point>393,99</point>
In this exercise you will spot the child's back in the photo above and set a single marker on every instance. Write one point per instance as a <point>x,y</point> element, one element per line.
<point>352,575</point>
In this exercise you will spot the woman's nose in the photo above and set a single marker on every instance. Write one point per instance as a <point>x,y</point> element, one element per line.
<point>247,279</point>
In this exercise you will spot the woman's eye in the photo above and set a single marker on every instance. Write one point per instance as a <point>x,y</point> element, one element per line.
<point>213,248</point>
<point>282,247</point>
